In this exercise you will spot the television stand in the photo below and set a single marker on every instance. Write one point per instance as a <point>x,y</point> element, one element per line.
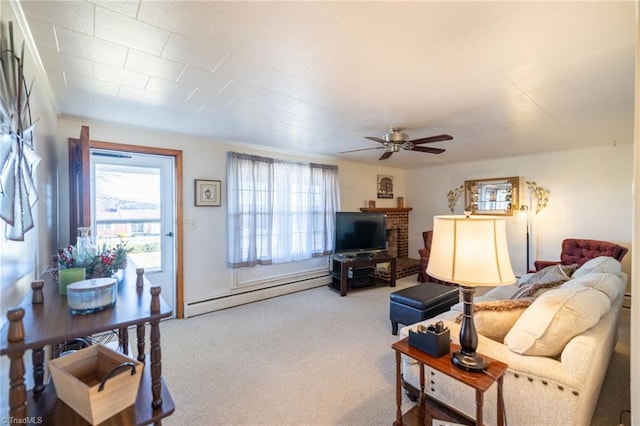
<point>341,264</point>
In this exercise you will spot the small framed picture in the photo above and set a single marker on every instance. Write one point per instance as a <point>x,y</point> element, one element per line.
<point>385,186</point>
<point>207,193</point>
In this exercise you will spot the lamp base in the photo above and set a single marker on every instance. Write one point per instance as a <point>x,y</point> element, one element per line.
<point>472,363</point>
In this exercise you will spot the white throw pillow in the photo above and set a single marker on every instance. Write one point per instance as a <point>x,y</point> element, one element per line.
<point>609,284</point>
<point>604,264</point>
<point>554,318</point>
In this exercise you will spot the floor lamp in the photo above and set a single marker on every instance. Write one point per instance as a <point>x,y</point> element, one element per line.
<point>470,251</point>
<point>524,211</point>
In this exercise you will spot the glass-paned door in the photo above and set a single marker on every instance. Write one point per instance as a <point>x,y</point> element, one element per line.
<point>133,200</point>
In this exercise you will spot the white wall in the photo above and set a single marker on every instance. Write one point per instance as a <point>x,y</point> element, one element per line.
<point>206,275</point>
<point>22,261</point>
<point>590,198</point>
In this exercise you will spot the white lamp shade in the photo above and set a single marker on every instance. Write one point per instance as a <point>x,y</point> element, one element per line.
<point>470,251</point>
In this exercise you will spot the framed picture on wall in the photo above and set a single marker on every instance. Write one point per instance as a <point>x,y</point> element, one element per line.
<point>385,186</point>
<point>207,193</point>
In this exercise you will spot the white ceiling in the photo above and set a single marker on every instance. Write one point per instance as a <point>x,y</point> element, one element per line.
<point>503,78</point>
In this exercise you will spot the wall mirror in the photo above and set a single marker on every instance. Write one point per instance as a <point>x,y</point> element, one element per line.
<point>497,197</point>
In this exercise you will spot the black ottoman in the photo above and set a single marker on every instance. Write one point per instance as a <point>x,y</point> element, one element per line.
<point>420,302</point>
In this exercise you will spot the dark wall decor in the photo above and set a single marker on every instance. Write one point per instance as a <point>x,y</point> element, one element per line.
<point>385,186</point>
<point>207,193</point>
<point>18,190</point>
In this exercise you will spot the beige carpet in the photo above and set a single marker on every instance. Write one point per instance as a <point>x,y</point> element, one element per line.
<point>308,358</point>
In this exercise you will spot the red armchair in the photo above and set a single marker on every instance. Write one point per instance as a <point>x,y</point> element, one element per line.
<point>424,256</point>
<point>577,250</point>
<point>425,252</point>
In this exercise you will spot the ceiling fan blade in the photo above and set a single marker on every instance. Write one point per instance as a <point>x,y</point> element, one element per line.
<point>431,139</point>
<point>385,155</point>
<point>429,150</point>
<point>362,149</point>
<point>373,138</point>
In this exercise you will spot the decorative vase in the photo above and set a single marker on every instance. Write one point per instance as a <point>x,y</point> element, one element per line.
<point>86,250</point>
<point>68,276</point>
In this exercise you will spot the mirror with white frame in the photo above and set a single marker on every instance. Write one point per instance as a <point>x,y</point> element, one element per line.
<point>497,197</point>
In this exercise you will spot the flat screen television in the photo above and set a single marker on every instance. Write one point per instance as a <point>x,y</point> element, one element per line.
<point>360,232</point>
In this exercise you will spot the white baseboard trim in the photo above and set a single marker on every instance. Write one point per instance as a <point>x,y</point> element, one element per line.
<point>224,302</point>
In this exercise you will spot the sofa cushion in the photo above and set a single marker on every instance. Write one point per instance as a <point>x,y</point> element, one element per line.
<point>609,284</point>
<point>544,280</point>
<point>554,318</point>
<point>604,264</point>
<point>552,273</point>
<point>494,319</point>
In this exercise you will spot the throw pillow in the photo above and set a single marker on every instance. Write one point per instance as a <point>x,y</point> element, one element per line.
<point>544,280</point>
<point>552,273</point>
<point>494,319</point>
<point>599,264</point>
<point>535,290</point>
<point>609,284</point>
<point>554,318</point>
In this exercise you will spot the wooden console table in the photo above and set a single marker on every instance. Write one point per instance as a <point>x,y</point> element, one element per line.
<point>341,265</point>
<point>34,326</point>
<point>426,408</point>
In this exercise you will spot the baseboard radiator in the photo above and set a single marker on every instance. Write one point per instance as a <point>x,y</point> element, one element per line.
<point>252,290</point>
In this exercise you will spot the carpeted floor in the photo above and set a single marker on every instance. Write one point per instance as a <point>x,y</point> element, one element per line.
<point>308,358</point>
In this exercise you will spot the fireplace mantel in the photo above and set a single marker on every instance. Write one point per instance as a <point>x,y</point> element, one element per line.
<point>386,209</point>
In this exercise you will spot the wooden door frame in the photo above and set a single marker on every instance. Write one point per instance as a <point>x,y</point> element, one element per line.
<point>80,200</point>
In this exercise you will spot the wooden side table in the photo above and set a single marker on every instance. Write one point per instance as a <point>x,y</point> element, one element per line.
<point>427,407</point>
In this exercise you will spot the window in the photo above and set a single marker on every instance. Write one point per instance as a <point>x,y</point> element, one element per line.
<point>279,211</point>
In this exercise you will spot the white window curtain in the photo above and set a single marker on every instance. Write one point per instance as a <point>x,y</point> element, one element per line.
<point>279,211</point>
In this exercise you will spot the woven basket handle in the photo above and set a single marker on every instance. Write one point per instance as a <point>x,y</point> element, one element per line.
<point>114,371</point>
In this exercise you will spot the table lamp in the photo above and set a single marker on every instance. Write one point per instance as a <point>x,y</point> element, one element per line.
<point>470,251</point>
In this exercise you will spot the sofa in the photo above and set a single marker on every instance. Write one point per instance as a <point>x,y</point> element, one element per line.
<point>556,329</point>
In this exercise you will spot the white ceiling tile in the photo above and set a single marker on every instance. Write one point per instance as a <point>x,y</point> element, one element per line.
<point>67,63</point>
<point>91,85</point>
<point>251,93</point>
<point>186,18</point>
<point>316,112</point>
<point>153,65</point>
<point>43,34</point>
<point>192,53</point>
<point>77,44</point>
<point>257,110</point>
<point>140,96</point>
<point>210,98</point>
<point>169,88</point>
<point>207,80</point>
<point>73,15</point>
<point>120,29</point>
<point>237,68</point>
<point>500,77</point>
<point>128,7</point>
<point>183,104</point>
<point>119,76</point>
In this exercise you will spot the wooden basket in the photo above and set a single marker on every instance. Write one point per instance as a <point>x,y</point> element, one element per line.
<point>96,382</point>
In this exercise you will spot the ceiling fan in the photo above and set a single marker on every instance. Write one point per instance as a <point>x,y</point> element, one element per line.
<point>396,140</point>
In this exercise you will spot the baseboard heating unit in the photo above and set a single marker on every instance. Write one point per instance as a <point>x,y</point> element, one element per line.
<point>248,291</point>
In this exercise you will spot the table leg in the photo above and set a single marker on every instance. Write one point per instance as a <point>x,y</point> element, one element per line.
<point>155,353</point>
<point>392,281</point>
<point>17,388</point>
<point>37,359</point>
<point>123,340</point>
<point>479,403</point>
<point>500,403</point>
<point>344,271</point>
<point>140,336</point>
<point>398,390</point>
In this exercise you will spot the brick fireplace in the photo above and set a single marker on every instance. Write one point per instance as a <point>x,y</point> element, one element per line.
<point>397,241</point>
